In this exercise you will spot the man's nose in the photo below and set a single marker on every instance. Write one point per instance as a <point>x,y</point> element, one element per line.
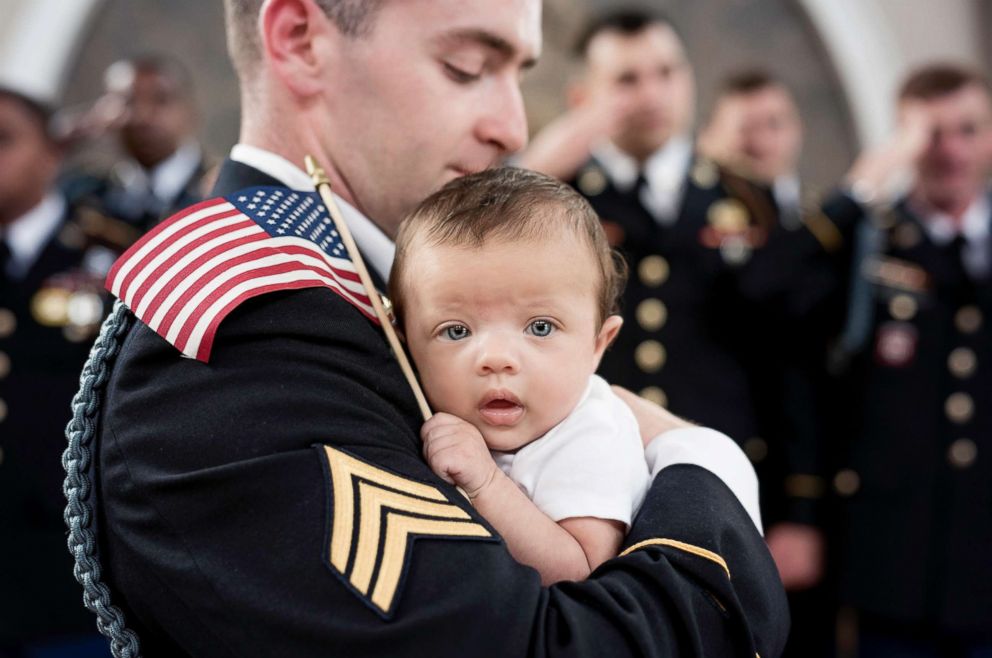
<point>504,123</point>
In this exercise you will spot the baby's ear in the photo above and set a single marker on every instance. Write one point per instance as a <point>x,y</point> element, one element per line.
<point>607,333</point>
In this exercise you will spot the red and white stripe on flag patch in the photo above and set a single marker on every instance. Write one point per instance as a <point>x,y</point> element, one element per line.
<point>187,274</point>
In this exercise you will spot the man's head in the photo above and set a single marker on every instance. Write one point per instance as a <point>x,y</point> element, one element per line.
<point>639,58</point>
<point>506,290</point>
<point>160,114</point>
<point>757,124</point>
<point>956,164</point>
<point>29,158</point>
<point>394,98</point>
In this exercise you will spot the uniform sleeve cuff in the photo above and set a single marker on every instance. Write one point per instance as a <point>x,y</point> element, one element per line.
<point>715,452</point>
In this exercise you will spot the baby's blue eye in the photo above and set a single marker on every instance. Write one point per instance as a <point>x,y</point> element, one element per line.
<point>540,328</point>
<point>456,332</point>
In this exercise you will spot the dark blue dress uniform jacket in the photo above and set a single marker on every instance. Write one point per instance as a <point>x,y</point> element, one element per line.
<point>39,373</point>
<point>216,511</point>
<point>919,468</point>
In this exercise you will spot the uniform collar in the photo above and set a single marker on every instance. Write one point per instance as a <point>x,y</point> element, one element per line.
<point>377,249</point>
<point>166,180</point>
<point>665,169</point>
<point>664,173</point>
<point>29,233</point>
<point>974,225</point>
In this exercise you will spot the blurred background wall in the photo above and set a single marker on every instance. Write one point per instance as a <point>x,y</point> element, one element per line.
<point>843,58</point>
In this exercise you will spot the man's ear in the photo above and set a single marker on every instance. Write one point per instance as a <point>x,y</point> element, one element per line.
<point>292,33</point>
<point>608,332</point>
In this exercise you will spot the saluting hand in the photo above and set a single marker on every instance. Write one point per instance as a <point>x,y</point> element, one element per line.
<point>457,453</point>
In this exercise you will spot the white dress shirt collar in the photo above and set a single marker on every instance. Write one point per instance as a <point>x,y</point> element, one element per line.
<point>377,249</point>
<point>29,233</point>
<point>664,172</point>
<point>973,226</point>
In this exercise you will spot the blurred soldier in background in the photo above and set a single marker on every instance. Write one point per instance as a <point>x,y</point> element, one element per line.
<point>917,565</point>
<point>718,302</point>
<point>755,129</point>
<point>687,229</point>
<point>50,307</point>
<point>149,107</point>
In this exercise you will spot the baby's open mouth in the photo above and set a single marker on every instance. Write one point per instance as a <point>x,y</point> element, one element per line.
<point>501,408</point>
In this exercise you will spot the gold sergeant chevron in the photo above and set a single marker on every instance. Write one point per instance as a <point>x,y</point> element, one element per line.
<point>390,513</point>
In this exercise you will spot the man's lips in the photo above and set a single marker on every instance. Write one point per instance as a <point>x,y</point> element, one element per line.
<point>501,408</point>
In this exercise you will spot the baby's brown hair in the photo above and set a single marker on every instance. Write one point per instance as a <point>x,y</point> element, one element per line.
<point>506,205</point>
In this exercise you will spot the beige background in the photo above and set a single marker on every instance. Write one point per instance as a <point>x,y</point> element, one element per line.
<point>841,57</point>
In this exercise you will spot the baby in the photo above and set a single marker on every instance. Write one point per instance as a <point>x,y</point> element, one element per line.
<point>505,289</point>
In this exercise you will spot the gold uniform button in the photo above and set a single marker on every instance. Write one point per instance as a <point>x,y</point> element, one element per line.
<point>4,365</point>
<point>652,314</point>
<point>3,411</point>
<point>50,307</point>
<point>903,307</point>
<point>8,322</point>
<point>650,356</point>
<point>592,182</point>
<point>962,453</point>
<point>968,319</point>
<point>656,395</point>
<point>756,449</point>
<point>962,362</point>
<point>653,271</point>
<point>959,407</point>
<point>847,482</point>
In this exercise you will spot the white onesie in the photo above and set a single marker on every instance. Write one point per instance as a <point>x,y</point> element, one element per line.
<point>590,464</point>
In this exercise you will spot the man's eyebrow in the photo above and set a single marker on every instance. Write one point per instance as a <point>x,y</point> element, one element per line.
<point>492,41</point>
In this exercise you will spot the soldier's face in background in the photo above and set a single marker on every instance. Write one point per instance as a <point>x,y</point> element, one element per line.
<point>771,133</point>
<point>431,93</point>
<point>650,73</point>
<point>159,116</point>
<point>505,335</point>
<point>29,161</point>
<point>956,165</point>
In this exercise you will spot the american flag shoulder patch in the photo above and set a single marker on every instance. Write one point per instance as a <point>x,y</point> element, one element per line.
<point>187,274</point>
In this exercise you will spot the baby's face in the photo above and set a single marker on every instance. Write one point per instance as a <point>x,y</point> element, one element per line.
<point>505,336</point>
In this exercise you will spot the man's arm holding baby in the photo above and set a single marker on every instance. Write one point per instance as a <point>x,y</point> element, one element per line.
<point>568,550</point>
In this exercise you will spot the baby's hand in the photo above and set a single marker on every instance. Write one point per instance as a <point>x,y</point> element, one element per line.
<point>457,453</point>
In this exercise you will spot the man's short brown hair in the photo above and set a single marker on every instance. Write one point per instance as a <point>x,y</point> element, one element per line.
<point>748,81</point>
<point>508,205</point>
<point>937,80</point>
<point>353,17</point>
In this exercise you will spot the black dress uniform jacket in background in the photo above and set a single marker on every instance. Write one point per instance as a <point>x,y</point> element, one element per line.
<point>723,318</point>
<point>215,512</point>
<point>41,353</point>
<point>919,511</point>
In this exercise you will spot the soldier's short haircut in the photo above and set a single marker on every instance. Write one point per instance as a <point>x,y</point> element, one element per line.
<point>748,81</point>
<point>508,205</point>
<point>40,113</point>
<point>937,80</point>
<point>627,22</point>
<point>353,17</point>
<point>162,64</point>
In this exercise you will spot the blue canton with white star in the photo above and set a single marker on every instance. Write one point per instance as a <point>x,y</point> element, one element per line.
<point>285,213</point>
